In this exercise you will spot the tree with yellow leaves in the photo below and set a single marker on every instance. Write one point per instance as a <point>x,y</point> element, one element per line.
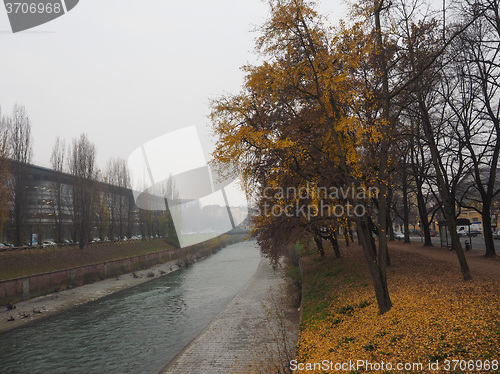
<point>297,126</point>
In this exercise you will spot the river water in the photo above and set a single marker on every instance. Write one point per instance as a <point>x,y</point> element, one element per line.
<point>138,330</point>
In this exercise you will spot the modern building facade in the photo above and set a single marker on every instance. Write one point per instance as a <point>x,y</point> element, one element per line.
<point>48,204</point>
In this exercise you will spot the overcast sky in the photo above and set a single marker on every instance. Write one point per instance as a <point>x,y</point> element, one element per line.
<point>125,72</point>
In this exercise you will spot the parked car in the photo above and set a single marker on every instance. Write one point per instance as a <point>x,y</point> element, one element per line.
<point>4,246</point>
<point>496,234</point>
<point>399,236</point>
<point>49,243</point>
<point>431,232</point>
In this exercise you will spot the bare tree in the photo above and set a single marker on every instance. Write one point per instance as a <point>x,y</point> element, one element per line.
<point>421,169</point>
<point>5,175</point>
<point>473,99</point>
<point>171,194</point>
<point>21,143</point>
<point>401,197</point>
<point>59,190</point>
<point>101,205</point>
<point>145,222</point>
<point>423,61</point>
<point>82,167</point>
<point>118,177</point>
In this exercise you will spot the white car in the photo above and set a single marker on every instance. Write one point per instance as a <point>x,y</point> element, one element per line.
<point>49,243</point>
<point>399,236</point>
<point>496,234</point>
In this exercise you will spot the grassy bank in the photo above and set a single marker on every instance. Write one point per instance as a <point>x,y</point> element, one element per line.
<point>15,264</point>
<point>43,260</point>
<point>436,317</point>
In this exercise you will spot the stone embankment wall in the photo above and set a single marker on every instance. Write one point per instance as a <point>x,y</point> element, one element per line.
<point>23,288</point>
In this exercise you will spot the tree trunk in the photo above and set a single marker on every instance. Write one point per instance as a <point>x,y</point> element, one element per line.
<point>377,272</point>
<point>386,128</point>
<point>487,231</point>
<point>406,209</point>
<point>390,228</point>
<point>422,209</point>
<point>448,202</point>
<point>346,237</point>
<point>319,244</point>
<point>335,245</point>
<point>424,219</point>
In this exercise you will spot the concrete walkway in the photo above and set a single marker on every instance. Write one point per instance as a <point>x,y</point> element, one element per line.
<point>246,336</point>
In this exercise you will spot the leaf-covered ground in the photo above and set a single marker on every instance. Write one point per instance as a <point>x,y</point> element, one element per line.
<point>436,316</point>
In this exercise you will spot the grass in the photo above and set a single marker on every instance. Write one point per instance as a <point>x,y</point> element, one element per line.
<point>436,316</point>
<point>15,264</point>
<point>195,238</point>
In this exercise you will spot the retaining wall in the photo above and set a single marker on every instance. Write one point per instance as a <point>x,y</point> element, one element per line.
<point>24,288</point>
<point>41,284</point>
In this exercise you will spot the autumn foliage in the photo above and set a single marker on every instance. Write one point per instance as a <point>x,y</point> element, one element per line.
<point>331,106</point>
<point>435,316</point>
<point>301,121</point>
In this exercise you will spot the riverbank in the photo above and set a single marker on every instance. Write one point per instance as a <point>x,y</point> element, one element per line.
<point>85,270</point>
<point>27,262</point>
<point>44,306</point>
<point>71,296</point>
<point>136,330</point>
<point>256,331</point>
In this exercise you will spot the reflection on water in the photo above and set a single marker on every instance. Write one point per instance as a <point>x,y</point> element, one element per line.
<point>136,330</point>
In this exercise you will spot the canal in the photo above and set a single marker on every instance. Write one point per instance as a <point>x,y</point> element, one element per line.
<point>138,330</point>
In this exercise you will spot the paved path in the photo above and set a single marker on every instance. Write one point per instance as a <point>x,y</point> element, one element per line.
<point>478,264</point>
<point>243,338</point>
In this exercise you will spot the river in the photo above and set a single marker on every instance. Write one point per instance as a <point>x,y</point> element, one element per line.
<point>138,330</point>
